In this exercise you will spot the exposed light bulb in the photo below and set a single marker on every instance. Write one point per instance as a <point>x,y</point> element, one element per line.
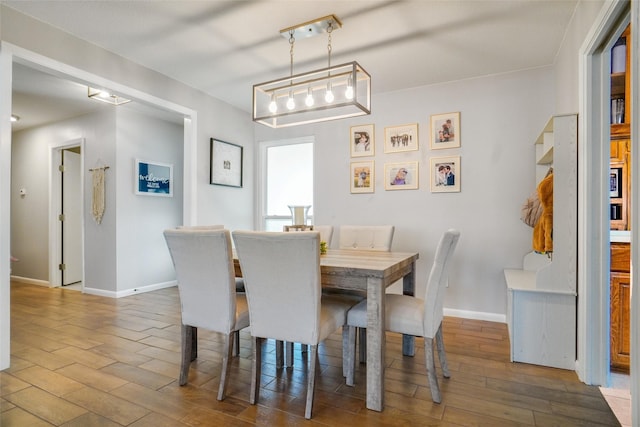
<point>273,107</point>
<point>291,103</point>
<point>105,94</point>
<point>328,96</point>
<point>309,101</point>
<point>14,118</point>
<point>348,93</point>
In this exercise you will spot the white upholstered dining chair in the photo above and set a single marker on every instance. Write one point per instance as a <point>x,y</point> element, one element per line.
<point>239,280</point>
<point>203,261</point>
<point>201,227</point>
<point>326,233</point>
<point>413,316</point>
<point>282,280</point>
<point>364,238</point>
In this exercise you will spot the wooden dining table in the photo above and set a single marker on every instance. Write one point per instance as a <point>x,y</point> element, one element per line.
<point>373,272</point>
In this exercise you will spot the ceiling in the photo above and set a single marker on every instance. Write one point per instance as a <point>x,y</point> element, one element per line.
<point>224,47</point>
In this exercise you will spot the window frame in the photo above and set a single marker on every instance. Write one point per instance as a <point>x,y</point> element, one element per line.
<point>261,197</point>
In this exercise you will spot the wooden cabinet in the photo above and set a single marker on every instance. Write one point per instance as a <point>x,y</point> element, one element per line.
<point>620,279</point>
<point>620,299</point>
<point>620,184</point>
<point>620,132</point>
<point>620,89</point>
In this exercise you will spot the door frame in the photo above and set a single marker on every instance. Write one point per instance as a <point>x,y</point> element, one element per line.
<point>593,198</point>
<point>55,196</point>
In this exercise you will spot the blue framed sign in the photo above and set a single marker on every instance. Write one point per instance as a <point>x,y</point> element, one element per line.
<point>153,178</point>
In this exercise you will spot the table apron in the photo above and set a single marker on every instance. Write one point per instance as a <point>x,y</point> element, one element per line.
<point>349,281</point>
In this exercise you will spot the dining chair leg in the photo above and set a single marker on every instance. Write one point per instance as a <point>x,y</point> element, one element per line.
<point>442,356</point>
<point>349,352</point>
<point>279,354</point>
<point>345,350</point>
<point>194,343</point>
<point>313,361</point>
<point>187,348</point>
<point>363,344</point>
<point>431,370</point>
<point>256,370</point>
<point>236,343</point>
<point>288,357</point>
<point>226,358</point>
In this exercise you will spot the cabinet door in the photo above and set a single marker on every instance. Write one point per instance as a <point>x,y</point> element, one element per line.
<point>620,320</point>
<point>620,184</point>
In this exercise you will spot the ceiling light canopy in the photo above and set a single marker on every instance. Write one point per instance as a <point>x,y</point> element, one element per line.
<point>105,96</point>
<point>331,93</point>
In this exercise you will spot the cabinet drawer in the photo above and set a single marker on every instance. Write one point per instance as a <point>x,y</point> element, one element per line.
<point>620,257</point>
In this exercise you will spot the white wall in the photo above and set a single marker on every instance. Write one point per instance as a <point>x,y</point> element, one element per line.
<point>126,250</point>
<point>501,116</point>
<point>568,58</point>
<point>212,204</point>
<point>142,257</point>
<point>30,169</point>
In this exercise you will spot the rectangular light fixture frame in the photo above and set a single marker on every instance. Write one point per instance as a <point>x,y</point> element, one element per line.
<point>337,77</point>
<point>105,96</point>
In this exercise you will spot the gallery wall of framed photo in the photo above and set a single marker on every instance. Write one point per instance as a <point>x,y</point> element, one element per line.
<point>398,172</point>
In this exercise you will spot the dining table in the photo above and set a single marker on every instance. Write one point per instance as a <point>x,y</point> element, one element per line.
<point>372,272</point>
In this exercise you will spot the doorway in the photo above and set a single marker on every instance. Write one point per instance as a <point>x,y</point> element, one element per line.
<point>66,247</point>
<point>71,217</point>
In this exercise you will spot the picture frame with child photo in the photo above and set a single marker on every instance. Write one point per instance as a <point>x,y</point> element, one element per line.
<point>445,131</point>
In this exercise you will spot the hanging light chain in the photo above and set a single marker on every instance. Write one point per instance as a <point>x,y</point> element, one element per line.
<point>329,30</point>
<point>292,42</point>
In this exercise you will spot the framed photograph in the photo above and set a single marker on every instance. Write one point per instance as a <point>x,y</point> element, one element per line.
<point>362,177</point>
<point>153,178</point>
<point>615,183</point>
<point>445,131</point>
<point>401,138</point>
<point>362,141</point>
<point>226,163</point>
<point>401,176</point>
<point>445,174</point>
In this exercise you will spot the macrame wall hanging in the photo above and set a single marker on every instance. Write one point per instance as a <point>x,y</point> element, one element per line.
<point>97,203</point>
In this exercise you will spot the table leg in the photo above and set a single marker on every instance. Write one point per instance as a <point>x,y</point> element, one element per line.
<point>375,344</point>
<point>408,288</point>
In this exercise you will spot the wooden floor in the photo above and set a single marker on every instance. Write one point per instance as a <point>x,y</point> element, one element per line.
<point>82,360</point>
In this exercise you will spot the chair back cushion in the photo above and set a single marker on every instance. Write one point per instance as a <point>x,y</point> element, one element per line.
<point>201,227</point>
<point>437,282</point>
<point>203,261</point>
<point>282,280</point>
<point>366,237</point>
<point>326,233</point>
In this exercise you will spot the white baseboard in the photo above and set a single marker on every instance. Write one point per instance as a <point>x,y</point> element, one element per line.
<point>476,315</point>
<point>128,292</point>
<point>30,281</point>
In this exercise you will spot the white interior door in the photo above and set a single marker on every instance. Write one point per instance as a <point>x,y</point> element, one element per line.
<point>72,224</point>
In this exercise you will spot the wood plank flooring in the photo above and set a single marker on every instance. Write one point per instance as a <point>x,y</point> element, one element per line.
<point>83,360</point>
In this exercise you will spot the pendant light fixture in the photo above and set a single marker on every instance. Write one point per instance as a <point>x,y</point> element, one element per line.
<point>331,93</point>
<point>106,96</point>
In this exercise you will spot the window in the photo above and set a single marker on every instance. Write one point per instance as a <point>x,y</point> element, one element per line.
<point>287,179</point>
